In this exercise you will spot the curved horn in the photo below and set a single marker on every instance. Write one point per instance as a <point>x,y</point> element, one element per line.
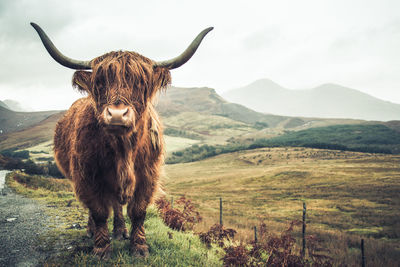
<point>186,55</point>
<point>56,54</point>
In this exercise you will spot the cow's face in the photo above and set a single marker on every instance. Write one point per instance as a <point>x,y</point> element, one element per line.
<point>121,85</point>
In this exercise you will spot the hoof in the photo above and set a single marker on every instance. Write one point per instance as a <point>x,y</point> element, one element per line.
<point>140,251</point>
<point>102,253</point>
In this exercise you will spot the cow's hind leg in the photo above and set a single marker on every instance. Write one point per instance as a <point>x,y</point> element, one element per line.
<point>119,232</point>
<point>102,240</point>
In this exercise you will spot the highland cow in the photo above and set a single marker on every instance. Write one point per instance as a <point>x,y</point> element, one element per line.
<point>110,143</point>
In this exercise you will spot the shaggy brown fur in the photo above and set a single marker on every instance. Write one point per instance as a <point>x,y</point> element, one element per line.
<point>112,167</point>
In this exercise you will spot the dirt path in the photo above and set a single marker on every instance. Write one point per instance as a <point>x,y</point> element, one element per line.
<point>22,220</point>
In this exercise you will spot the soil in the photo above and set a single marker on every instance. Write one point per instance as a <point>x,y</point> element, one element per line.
<point>22,220</point>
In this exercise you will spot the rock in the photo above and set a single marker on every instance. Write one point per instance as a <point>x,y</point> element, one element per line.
<point>75,226</point>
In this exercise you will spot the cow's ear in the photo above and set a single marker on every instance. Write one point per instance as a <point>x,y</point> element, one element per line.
<point>162,77</point>
<point>81,80</point>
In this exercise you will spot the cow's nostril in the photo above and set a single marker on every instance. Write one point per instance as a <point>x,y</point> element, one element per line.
<point>109,113</point>
<point>125,113</point>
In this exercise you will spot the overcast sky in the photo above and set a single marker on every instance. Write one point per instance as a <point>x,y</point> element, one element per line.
<point>297,44</point>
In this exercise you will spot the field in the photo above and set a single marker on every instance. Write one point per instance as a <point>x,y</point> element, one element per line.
<point>349,196</point>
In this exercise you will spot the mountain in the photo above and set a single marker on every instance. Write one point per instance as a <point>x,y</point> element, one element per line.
<point>16,106</point>
<point>4,105</point>
<point>206,101</point>
<point>325,101</point>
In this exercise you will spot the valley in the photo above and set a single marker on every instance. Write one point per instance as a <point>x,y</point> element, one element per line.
<point>264,167</point>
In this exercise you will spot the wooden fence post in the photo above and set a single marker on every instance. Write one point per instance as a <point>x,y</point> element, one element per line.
<point>362,253</point>
<point>172,202</point>
<point>303,251</point>
<point>220,210</point>
<point>255,234</point>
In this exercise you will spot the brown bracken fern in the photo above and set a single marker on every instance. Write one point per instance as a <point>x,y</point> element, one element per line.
<point>182,219</point>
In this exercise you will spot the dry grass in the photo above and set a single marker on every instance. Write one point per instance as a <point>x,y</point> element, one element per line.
<point>349,195</point>
<point>214,129</point>
<point>174,143</point>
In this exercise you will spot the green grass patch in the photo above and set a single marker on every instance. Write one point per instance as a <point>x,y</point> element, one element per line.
<point>362,138</point>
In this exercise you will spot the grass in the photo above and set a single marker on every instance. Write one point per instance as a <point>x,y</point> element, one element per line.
<point>67,246</point>
<point>174,143</point>
<point>349,196</point>
<point>42,151</point>
<point>212,128</point>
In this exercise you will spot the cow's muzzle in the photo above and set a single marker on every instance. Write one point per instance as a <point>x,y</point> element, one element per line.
<point>119,115</point>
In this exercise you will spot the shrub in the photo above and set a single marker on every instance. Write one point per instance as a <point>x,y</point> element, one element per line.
<point>273,250</point>
<point>11,153</point>
<point>32,168</point>
<point>53,170</point>
<point>181,220</point>
<point>217,234</point>
<point>236,256</point>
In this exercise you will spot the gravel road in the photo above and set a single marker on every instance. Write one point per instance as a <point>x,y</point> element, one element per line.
<point>22,220</point>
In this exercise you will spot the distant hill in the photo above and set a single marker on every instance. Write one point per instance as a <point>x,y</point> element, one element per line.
<point>40,132</point>
<point>325,101</point>
<point>16,106</point>
<point>206,101</point>
<point>11,121</point>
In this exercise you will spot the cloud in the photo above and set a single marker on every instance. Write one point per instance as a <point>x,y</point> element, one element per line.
<point>17,15</point>
<point>261,39</point>
<point>298,44</point>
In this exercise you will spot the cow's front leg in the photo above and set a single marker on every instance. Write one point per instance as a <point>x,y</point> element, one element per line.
<point>137,213</point>
<point>119,232</point>
<point>102,242</point>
